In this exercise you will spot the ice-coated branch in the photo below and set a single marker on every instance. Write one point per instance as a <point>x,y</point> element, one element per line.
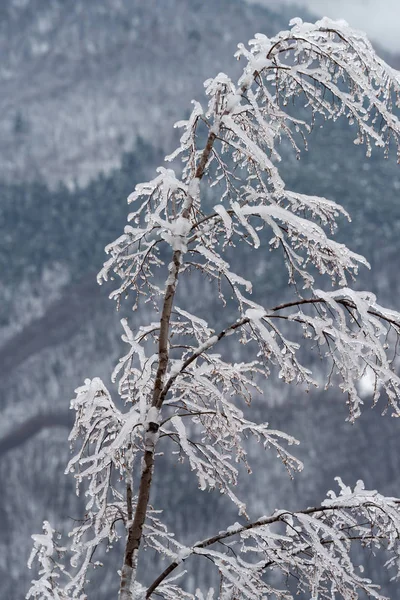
<point>312,547</point>
<point>177,368</point>
<point>48,553</point>
<point>350,329</point>
<point>210,343</point>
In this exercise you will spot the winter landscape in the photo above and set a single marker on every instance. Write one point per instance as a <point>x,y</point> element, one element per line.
<point>235,376</point>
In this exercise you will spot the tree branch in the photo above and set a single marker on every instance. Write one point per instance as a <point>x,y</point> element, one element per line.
<point>199,351</point>
<point>275,518</point>
<point>343,302</point>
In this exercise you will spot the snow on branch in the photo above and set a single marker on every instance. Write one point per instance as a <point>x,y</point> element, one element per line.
<point>310,546</point>
<point>200,387</point>
<point>355,331</point>
<point>179,384</point>
<point>135,370</point>
<point>328,256</point>
<point>47,552</point>
<point>247,121</point>
<point>319,61</point>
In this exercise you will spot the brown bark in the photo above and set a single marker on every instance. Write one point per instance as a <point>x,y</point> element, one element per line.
<point>163,354</point>
<point>135,530</point>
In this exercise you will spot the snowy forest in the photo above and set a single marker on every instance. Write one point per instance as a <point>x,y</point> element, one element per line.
<point>231,432</point>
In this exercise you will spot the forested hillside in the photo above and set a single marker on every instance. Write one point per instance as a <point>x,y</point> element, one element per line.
<point>89,97</point>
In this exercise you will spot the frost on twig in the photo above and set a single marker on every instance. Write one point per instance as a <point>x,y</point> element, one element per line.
<point>179,385</point>
<point>47,552</point>
<point>310,548</point>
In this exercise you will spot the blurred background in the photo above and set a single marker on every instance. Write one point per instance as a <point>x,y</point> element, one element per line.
<point>89,93</point>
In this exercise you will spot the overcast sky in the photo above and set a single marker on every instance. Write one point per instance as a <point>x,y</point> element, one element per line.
<point>380,19</point>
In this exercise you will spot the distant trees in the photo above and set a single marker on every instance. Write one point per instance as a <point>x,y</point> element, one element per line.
<point>179,385</point>
<point>64,214</point>
<point>21,126</point>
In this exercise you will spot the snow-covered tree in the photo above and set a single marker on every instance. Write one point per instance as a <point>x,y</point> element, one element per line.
<point>179,388</point>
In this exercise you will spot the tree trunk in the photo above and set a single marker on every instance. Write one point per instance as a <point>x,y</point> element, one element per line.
<point>135,530</point>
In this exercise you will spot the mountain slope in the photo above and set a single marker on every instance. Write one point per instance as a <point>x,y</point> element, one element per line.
<point>80,82</point>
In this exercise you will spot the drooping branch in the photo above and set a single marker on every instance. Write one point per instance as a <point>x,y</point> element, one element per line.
<point>337,73</point>
<point>343,519</point>
<point>385,316</point>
